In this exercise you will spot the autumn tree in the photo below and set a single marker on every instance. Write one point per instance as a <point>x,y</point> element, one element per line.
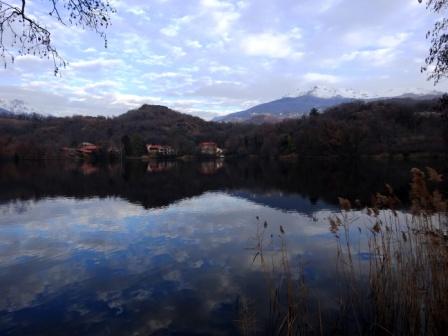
<point>21,33</point>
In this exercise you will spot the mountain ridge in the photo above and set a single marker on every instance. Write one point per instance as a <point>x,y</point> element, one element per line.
<point>16,106</point>
<point>319,97</point>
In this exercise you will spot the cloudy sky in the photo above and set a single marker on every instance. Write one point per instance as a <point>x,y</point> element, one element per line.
<point>212,57</point>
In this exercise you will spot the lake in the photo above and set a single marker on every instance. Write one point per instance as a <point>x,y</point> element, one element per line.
<point>168,247</point>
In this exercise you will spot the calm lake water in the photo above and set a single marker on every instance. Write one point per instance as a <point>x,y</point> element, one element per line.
<point>166,248</point>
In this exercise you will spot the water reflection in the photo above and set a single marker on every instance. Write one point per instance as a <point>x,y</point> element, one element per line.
<point>157,184</point>
<point>211,167</point>
<point>125,251</point>
<point>92,264</point>
<point>160,166</point>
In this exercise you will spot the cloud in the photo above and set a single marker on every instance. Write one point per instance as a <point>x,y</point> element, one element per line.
<point>223,14</point>
<point>214,4</point>
<point>90,50</point>
<point>174,28</point>
<point>160,60</point>
<point>216,56</point>
<point>167,75</point>
<point>99,88</point>
<point>370,49</point>
<point>138,11</point>
<point>272,45</point>
<point>320,77</point>
<point>220,68</point>
<point>29,58</point>
<point>370,39</point>
<point>393,41</point>
<point>328,4</point>
<point>193,44</point>
<point>96,64</point>
<point>375,57</point>
<point>178,51</point>
<point>170,30</point>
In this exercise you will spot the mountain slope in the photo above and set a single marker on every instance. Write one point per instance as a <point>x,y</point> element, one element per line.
<point>286,107</point>
<point>4,112</point>
<point>293,107</point>
<point>319,97</point>
<point>15,106</point>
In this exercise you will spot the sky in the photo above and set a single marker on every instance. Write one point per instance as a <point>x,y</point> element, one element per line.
<point>213,57</point>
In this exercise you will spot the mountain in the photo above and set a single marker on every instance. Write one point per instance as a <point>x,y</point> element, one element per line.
<point>260,119</point>
<point>295,106</point>
<point>4,112</point>
<point>16,106</point>
<point>420,96</point>
<point>298,104</point>
<point>329,92</point>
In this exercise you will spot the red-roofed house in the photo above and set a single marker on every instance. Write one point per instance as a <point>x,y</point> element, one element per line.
<point>88,148</point>
<point>210,148</point>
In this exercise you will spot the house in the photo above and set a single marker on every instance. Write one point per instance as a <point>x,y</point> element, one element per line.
<point>159,150</point>
<point>84,151</point>
<point>87,148</point>
<point>210,148</point>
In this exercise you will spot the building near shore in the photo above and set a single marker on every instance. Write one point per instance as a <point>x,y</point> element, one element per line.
<point>159,150</point>
<point>210,148</point>
<point>87,148</point>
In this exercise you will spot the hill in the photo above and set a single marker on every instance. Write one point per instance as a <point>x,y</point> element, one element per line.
<point>392,126</point>
<point>38,136</point>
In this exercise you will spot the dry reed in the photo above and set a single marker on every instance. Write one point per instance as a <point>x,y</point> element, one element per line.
<point>401,290</point>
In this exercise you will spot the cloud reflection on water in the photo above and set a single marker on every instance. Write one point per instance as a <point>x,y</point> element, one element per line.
<point>106,264</point>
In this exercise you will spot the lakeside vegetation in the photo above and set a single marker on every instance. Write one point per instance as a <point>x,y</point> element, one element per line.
<point>403,127</point>
<point>391,270</point>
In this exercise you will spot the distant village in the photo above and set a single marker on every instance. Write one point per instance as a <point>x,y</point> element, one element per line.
<point>88,150</point>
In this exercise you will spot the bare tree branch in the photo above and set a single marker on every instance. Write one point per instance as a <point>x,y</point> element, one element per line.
<point>436,63</point>
<point>21,34</point>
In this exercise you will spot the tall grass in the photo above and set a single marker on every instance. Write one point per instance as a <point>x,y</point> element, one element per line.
<point>402,289</point>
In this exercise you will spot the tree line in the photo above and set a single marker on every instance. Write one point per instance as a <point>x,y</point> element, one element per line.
<point>394,126</point>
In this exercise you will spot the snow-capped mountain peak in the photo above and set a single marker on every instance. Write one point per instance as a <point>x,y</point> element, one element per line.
<point>320,97</point>
<point>329,92</point>
<point>16,106</point>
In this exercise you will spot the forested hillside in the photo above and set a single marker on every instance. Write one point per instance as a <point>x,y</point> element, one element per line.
<point>402,126</point>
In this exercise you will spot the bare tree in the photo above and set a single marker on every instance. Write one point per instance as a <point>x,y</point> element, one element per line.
<point>22,34</point>
<point>437,60</point>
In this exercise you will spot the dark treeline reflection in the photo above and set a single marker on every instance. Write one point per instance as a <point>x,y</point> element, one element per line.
<point>158,184</point>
